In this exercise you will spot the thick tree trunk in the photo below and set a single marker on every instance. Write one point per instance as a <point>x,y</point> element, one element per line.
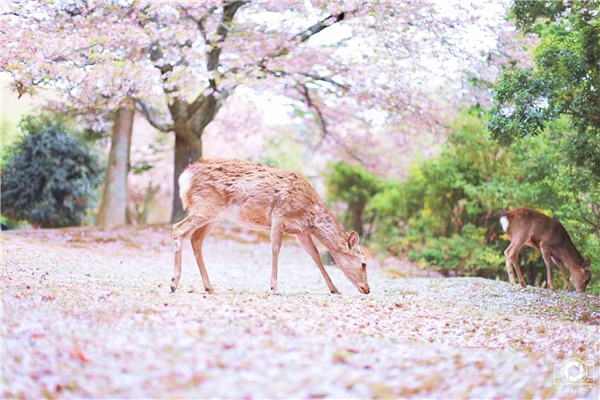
<point>187,150</point>
<point>114,198</point>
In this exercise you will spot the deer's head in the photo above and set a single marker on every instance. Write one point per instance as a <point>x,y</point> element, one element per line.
<point>353,263</point>
<point>582,276</point>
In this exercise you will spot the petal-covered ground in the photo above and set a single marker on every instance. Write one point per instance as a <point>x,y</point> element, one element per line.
<point>89,313</point>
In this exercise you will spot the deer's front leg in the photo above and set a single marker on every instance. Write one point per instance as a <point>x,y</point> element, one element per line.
<point>307,243</point>
<point>546,256</point>
<point>276,239</point>
<point>561,266</point>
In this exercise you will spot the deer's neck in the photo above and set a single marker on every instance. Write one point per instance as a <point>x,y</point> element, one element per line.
<point>570,256</point>
<point>329,232</point>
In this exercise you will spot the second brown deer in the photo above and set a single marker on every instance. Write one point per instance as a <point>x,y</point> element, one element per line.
<point>262,197</point>
<point>532,228</point>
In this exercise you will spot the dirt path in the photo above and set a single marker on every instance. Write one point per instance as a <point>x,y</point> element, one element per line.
<point>87,313</point>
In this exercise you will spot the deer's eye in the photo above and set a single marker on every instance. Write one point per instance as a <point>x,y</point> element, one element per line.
<point>364,265</point>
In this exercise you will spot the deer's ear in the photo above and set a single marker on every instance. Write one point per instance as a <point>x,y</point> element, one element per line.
<point>352,240</point>
<point>586,264</point>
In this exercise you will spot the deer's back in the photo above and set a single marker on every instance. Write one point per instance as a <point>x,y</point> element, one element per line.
<point>247,184</point>
<point>536,227</point>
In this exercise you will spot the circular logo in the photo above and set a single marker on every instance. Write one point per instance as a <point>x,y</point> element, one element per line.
<point>573,371</point>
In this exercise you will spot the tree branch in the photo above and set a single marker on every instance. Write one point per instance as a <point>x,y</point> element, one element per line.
<point>214,54</point>
<point>204,114</point>
<point>311,105</point>
<point>308,33</point>
<point>311,76</point>
<point>324,79</point>
<point>324,126</point>
<point>594,118</point>
<point>319,26</point>
<point>153,118</point>
<point>200,21</point>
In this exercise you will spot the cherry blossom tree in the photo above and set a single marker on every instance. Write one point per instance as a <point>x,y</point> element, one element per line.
<point>349,69</point>
<point>50,45</point>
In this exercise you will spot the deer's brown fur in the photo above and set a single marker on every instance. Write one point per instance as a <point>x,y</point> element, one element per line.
<point>262,198</point>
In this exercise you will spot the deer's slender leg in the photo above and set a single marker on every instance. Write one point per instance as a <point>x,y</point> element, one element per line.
<point>197,239</point>
<point>307,243</point>
<point>518,269</point>
<point>512,258</point>
<point>276,239</point>
<point>509,267</point>
<point>181,230</point>
<point>546,255</point>
<point>561,266</point>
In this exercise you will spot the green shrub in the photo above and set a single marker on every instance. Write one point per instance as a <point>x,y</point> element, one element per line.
<point>461,255</point>
<point>50,174</point>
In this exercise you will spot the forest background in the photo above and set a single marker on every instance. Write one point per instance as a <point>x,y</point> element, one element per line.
<point>420,123</point>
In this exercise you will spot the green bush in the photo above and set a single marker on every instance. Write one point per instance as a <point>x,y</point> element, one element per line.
<point>460,255</point>
<point>49,175</point>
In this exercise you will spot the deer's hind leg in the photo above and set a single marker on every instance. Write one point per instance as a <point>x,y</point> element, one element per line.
<point>211,213</point>
<point>509,267</point>
<point>197,239</point>
<point>277,229</point>
<point>182,230</point>
<point>512,260</point>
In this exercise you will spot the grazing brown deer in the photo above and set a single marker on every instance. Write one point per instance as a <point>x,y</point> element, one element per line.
<point>262,197</point>
<point>532,228</point>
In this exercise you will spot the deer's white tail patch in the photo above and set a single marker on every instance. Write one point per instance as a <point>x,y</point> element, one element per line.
<point>504,223</point>
<point>185,182</point>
